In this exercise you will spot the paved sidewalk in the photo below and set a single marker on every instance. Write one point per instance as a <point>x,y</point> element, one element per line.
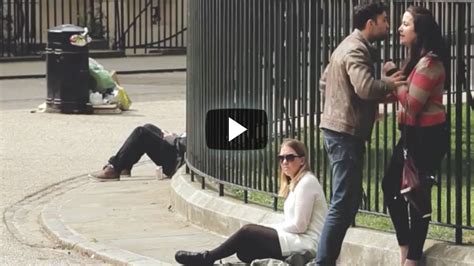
<point>132,63</point>
<point>130,221</point>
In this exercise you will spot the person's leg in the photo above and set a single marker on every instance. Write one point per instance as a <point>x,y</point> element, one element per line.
<point>249,243</point>
<point>166,155</point>
<point>403,254</point>
<point>138,142</point>
<point>398,210</point>
<point>396,204</point>
<point>418,232</point>
<point>127,169</point>
<point>431,146</point>
<point>345,154</point>
<point>141,140</point>
<point>409,262</point>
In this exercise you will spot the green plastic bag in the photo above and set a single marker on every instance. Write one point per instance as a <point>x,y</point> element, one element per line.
<point>101,76</point>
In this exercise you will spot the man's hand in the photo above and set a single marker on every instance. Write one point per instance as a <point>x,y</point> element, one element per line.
<point>166,133</point>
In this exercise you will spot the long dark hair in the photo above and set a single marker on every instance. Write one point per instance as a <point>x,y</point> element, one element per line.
<point>428,39</point>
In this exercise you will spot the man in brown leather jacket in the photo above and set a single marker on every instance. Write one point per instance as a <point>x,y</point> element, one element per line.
<point>350,95</point>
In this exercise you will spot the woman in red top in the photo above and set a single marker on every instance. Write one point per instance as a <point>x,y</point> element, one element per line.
<point>422,121</point>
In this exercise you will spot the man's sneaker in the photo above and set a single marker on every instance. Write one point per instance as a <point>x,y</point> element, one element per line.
<point>108,173</point>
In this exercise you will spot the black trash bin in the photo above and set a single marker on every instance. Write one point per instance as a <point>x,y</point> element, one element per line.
<point>67,72</point>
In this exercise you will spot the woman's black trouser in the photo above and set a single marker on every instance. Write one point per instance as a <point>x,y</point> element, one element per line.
<point>427,146</point>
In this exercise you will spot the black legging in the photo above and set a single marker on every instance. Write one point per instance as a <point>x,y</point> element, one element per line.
<point>251,242</point>
<point>427,146</point>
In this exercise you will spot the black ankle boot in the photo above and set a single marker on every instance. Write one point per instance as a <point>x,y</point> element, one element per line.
<point>193,258</point>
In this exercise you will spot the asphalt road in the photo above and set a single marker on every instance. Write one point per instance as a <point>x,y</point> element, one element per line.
<point>29,93</point>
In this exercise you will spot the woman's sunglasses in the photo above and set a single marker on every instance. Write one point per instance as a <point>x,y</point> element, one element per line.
<point>288,157</point>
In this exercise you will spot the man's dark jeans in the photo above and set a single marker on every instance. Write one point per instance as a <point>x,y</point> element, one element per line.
<point>345,154</point>
<point>146,139</point>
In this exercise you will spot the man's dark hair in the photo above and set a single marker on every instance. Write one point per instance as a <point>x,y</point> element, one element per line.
<point>364,12</point>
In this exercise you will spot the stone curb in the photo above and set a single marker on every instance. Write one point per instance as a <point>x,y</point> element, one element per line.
<point>14,215</point>
<point>222,215</point>
<point>225,215</point>
<point>361,246</point>
<point>54,226</point>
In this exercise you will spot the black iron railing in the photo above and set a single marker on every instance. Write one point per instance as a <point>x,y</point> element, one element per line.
<point>133,26</point>
<point>269,55</point>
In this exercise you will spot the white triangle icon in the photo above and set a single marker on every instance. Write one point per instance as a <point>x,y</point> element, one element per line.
<point>235,129</point>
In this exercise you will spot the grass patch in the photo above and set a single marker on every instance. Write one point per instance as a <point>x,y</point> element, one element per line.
<point>437,232</point>
<point>259,198</point>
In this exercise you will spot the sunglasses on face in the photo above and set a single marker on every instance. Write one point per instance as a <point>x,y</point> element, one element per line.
<point>288,157</point>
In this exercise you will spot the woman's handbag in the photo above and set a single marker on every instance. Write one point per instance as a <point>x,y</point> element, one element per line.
<point>420,197</point>
<point>410,176</point>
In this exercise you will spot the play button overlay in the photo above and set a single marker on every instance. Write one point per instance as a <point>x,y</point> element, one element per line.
<point>236,129</point>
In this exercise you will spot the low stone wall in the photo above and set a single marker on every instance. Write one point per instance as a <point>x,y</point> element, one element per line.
<point>225,215</point>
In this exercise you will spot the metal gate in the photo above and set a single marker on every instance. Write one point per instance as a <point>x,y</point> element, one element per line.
<point>269,54</point>
<point>133,26</point>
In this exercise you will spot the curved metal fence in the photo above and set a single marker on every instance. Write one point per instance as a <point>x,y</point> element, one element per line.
<point>268,54</point>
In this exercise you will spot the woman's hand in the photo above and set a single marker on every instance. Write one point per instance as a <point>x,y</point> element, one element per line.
<point>388,66</point>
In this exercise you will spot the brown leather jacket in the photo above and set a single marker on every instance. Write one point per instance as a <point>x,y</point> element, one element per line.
<point>349,89</point>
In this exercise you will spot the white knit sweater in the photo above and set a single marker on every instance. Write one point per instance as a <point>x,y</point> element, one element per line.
<point>304,210</point>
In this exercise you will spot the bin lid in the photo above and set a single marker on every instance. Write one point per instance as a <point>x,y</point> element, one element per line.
<point>66,28</point>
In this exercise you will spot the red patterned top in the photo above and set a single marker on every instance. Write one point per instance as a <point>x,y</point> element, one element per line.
<point>421,102</point>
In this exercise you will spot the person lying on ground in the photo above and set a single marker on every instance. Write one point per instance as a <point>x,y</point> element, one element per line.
<point>164,149</point>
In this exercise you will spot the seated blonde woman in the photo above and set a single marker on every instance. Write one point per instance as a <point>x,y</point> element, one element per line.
<point>304,211</point>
